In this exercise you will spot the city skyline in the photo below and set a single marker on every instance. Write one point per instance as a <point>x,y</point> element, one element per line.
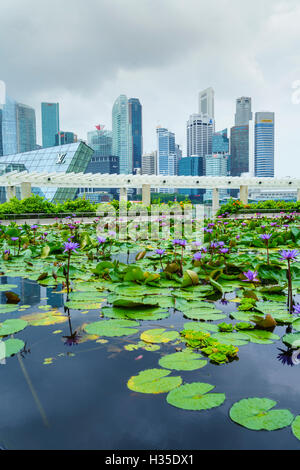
<point>166,78</point>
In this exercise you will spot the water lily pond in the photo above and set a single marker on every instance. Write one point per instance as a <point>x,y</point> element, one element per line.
<point>167,343</point>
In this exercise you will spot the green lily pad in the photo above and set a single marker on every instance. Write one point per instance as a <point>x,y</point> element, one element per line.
<point>112,328</point>
<point>85,305</point>
<point>8,308</point>
<point>153,381</point>
<point>256,414</point>
<point>292,340</point>
<point>296,324</point>
<point>45,319</point>
<point>185,360</point>
<point>261,336</point>
<point>195,396</point>
<point>159,335</point>
<point>10,347</point>
<point>10,327</point>
<point>201,327</point>
<point>236,339</point>
<point>155,313</point>
<point>203,314</point>
<point>296,427</point>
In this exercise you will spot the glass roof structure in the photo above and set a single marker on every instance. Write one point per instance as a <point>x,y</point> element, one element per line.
<point>68,158</point>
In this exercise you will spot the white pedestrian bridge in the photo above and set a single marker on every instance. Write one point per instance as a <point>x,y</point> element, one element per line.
<point>27,180</point>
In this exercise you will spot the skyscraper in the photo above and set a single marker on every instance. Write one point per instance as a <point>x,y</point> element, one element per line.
<point>26,128</point>
<point>207,103</point>
<point>50,123</point>
<point>200,129</point>
<point>166,154</point>
<point>241,138</point>
<point>264,144</point>
<point>135,122</point>
<point>100,141</point>
<point>243,111</point>
<point>149,164</point>
<point>63,138</point>
<point>122,134</point>
<point>9,127</point>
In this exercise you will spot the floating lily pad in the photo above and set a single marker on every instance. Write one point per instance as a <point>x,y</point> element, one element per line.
<point>292,340</point>
<point>159,335</point>
<point>296,427</point>
<point>10,347</point>
<point>257,414</point>
<point>155,313</point>
<point>185,360</point>
<point>201,326</point>
<point>236,339</point>
<point>7,287</point>
<point>205,314</point>
<point>6,308</point>
<point>195,396</point>
<point>45,319</point>
<point>153,381</point>
<point>111,328</point>
<point>86,296</point>
<point>10,327</point>
<point>261,336</point>
<point>78,305</point>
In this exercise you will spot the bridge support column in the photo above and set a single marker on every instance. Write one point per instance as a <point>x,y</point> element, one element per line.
<point>244,194</point>
<point>146,194</point>
<point>25,190</point>
<point>298,194</point>
<point>215,201</point>
<point>10,192</point>
<point>123,195</point>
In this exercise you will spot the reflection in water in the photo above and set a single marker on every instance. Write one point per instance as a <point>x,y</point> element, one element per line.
<point>286,356</point>
<point>54,299</point>
<point>73,338</point>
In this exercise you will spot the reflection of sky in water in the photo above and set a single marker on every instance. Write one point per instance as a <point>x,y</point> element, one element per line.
<point>88,405</point>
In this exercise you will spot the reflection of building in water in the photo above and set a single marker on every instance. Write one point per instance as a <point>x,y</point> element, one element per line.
<point>30,292</point>
<point>54,299</point>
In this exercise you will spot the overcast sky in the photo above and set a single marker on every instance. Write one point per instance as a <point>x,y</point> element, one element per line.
<point>85,53</point>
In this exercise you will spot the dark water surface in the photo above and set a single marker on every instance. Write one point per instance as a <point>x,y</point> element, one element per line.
<point>81,400</point>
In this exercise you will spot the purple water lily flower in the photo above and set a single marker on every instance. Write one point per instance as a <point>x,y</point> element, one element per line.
<point>290,255</point>
<point>224,250</point>
<point>70,246</point>
<point>251,276</point>
<point>14,239</point>
<point>197,256</point>
<point>34,227</point>
<point>101,240</point>
<point>266,236</point>
<point>160,252</point>
<point>297,309</point>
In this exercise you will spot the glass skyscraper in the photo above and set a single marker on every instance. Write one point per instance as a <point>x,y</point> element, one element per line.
<point>135,122</point>
<point>200,130</point>
<point>264,144</point>
<point>50,123</point>
<point>220,142</point>
<point>243,111</point>
<point>122,135</point>
<point>9,127</point>
<point>63,138</point>
<point>239,150</point>
<point>101,142</point>
<point>26,128</point>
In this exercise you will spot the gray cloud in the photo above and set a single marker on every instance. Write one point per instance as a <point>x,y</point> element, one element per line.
<point>85,53</point>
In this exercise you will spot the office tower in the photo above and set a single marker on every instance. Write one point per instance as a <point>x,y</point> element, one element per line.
<point>264,144</point>
<point>243,111</point>
<point>135,123</point>
<point>9,127</point>
<point>220,142</point>
<point>166,154</point>
<point>200,129</point>
<point>216,165</point>
<point>100,141</point>
<point>149,163</point>
<point>50,123</point>
<point>122,135</point>
<point>191,166</point>
<point>239,150</point>
<point>1,145</point>
<point>26,128</point>
<point>241,138</point>
<point>207,103</point>
<point>63,138</point>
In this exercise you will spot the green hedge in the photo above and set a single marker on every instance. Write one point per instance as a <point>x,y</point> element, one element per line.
<point>235,207</point>
<point>38,205</point>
